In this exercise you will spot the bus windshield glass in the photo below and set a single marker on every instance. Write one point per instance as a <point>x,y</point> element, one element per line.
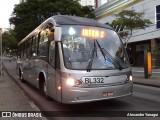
<point>92,48</point>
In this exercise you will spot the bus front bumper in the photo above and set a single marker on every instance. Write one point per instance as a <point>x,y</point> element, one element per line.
<point>73,95</point>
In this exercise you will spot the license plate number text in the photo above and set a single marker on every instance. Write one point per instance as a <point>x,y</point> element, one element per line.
<point>93,80</point>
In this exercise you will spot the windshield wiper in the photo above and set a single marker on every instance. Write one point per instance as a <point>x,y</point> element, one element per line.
<point>90,61</point>
<point>114,61</point>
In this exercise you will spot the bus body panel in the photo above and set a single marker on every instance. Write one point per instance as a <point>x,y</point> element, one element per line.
<point>25,69</point>
<point>28,68</point>
<point>52,82</point>
<point>32,69</point>
<point>94,92</point>
<point>34,64</point>
<point>115,84</point>
<point>80,95</point>
<point>43,67</point>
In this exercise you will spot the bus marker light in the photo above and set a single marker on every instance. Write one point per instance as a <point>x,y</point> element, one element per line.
<point>107,93</point>
<point>59,87</point>
<point>130,78</point>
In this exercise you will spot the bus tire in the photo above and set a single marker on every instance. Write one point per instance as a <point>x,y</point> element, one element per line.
<point>42,86</point>
<point>20,75</point>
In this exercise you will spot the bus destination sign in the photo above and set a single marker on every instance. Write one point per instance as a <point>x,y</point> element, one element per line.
<point>93,33</point>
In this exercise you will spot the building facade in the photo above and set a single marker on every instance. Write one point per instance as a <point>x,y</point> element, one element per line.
<point>101,2</point>
<point>148,39</point>
<point>22,1</point>
<point>87,2</point>
<point>82,2</point>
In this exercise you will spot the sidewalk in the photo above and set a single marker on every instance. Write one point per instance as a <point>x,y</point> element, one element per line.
<point>138,77</point>
<point>12,97</point>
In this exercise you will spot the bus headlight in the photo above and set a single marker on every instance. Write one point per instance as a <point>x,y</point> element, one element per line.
<point>70,81</point>
<point>130,78</point>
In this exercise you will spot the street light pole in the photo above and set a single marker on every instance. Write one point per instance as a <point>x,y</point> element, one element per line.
<point>1,51</point>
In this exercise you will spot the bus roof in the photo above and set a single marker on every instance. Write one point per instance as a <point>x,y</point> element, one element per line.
<point>68,20</point>
<point>74,20</point>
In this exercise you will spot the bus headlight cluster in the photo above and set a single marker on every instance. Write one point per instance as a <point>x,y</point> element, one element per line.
<point>73,82</point>
<point>70,81</point>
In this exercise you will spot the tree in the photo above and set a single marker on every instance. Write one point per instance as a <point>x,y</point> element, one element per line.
<point>28,15</point>
<point>131,20</point>
<point>9,40</point>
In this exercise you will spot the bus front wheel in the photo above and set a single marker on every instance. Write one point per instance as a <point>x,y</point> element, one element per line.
<point>20,75</point>
<point>43,86</point>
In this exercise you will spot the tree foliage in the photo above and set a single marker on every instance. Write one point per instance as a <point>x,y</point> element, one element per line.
<point>131,20</point>
<point>9,40</point>
<point>156,52</point>
<point>28,15</point>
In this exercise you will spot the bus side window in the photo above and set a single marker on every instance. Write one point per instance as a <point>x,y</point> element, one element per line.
<point>18,52</point>
<point>52,53</point>
<point>24,54</point>
<point>26,48</point>
<point>21,50</point>
<point>34,46</point>
<point>29,47</point>
<point>43,45</point>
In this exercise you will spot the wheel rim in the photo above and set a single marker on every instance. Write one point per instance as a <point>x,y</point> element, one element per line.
<point>44,88</point>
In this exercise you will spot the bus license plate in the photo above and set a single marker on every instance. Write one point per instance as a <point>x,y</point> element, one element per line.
<point>93,80</point>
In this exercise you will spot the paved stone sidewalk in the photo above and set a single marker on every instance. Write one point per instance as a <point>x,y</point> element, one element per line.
<point>12,98</point>
<point>141,70</point>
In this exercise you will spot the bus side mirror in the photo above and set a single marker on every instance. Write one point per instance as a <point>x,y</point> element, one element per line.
<point>57,33</point>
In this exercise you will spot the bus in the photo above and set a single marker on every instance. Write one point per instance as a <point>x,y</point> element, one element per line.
<point>75,60</point>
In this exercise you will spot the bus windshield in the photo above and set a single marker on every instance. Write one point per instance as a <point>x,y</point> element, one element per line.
<point>92,48</point>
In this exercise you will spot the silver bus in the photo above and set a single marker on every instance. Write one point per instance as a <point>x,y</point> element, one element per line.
<point>74,60</point>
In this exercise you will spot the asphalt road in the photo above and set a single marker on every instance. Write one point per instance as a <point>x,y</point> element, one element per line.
<point>144,98</point>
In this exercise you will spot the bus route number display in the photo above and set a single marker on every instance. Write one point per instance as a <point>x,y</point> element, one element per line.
<point>93,33</point>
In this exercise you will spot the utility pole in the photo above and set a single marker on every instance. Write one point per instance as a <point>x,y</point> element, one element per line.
<point>1,53</point>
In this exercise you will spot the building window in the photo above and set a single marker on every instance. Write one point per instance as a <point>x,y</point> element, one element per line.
<point>142,47</point>
<point>104,1</point>
<point>158,16</point>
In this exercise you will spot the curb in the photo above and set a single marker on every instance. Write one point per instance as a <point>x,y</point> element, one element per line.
<point>139,71</point>
<point>151,85</point>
